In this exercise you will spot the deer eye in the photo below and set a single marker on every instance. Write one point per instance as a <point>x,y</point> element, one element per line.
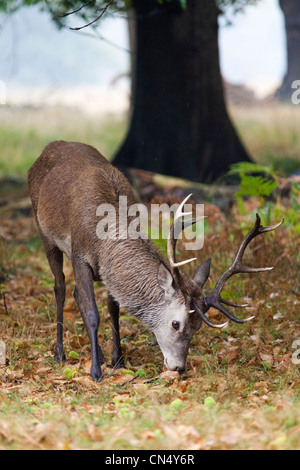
<point>175,325</point>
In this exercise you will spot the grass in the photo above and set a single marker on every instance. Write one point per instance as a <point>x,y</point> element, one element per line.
<point>24,134</point>
<point>241,389</point>
<point>269,132</point>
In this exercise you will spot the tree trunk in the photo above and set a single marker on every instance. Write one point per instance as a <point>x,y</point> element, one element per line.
<point>179,124</point>
<point>291,11</point>
<point>132,42</point>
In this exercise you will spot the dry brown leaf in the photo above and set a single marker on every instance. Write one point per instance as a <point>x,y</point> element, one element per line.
<point>148,435</point>
<point>169,375</point>
<point>68,315</point>
<point>85,380</point>
<point>265,356</point>
<point>119,379</point>
<point>232,354</point>
<point>44,370</point>
<point>197,359</point>
<point>70,307</point>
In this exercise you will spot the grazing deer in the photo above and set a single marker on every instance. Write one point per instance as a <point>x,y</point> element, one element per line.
<point>67,183</point>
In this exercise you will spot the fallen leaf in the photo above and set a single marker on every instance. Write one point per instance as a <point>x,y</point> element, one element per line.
<point>169,375</point>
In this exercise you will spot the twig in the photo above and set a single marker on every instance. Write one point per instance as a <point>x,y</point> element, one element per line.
<point>103,10</point>
<point>78,9</point>
<point>97,36</point>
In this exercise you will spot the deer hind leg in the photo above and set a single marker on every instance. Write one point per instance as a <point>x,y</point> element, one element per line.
<point>117,356</point>
<point>85,298</point>
<point>55,259</point>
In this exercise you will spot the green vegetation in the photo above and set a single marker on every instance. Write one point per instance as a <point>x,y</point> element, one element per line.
<point>270,205</point>
<point>269,132</point>
<point>24,134</point>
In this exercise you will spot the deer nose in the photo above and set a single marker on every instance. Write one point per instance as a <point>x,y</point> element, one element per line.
<point>180,369</point>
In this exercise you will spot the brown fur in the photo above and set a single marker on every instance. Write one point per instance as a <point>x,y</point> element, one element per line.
<point>65,205</point>
<point>67,183</point>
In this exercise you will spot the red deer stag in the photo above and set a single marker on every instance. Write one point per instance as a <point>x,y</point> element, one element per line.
<point>67,184</point>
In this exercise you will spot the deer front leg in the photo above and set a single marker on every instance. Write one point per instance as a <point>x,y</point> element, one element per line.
<point>117,356</point>
<point>100,353</point>
<point>85,298</point>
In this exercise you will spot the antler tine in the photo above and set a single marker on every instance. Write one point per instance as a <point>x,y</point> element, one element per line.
<point>205,319</point>
<point>177,227</point>
<point>179,213</point>
<point>208,302</point>
<point>214,299</point>
<point>237,265</point>
<point>231,304</point>
<point>176,230</point>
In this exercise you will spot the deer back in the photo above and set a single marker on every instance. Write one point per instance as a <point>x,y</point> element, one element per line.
<point>67,183</point>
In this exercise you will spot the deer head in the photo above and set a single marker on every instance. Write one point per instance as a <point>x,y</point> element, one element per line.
<point>184,317</point>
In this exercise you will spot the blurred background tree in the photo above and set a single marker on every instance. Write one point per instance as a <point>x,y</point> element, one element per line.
<point>179,123</point>
<point>291,11</point>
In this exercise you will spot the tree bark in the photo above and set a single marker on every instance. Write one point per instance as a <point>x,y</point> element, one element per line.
<point>291,11</point>
<point>179,124</point>
<point>131,18</point>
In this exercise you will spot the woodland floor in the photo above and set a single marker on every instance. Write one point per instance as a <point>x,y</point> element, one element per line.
<point>242,386</point>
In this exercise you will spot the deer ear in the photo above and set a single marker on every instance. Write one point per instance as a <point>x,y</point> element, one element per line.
<point>202,273</point>
<point>165,279</point>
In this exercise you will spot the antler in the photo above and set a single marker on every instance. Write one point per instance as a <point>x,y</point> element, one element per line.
<point>177,227</point>
<point>214,299</point>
